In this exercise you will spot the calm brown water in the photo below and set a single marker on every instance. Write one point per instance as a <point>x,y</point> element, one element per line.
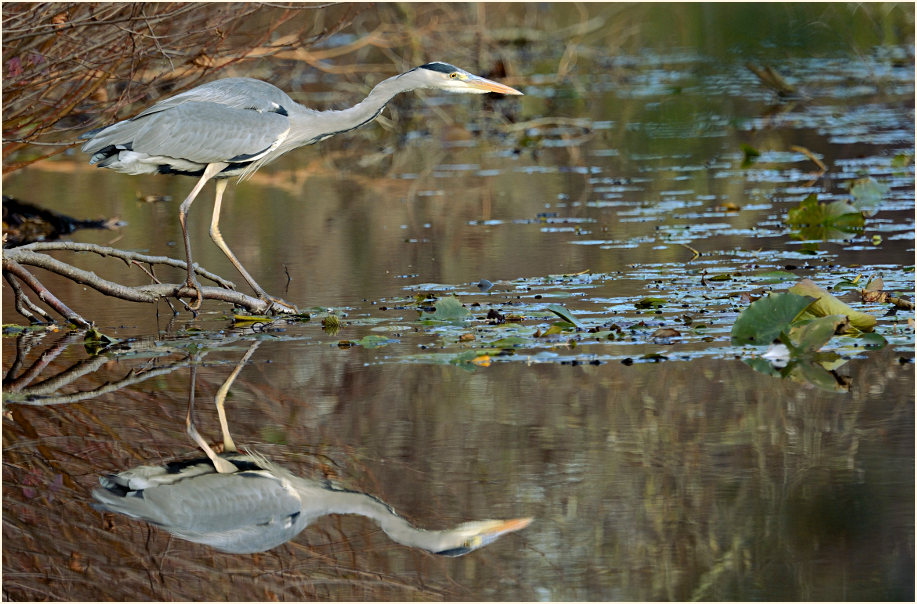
<point>691,478</point>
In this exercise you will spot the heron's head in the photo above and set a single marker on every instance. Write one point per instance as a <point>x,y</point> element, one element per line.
<point>450,78</point>
<point>470,536</point>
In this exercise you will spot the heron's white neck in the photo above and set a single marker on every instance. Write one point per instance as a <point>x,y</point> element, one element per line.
<point>396,527</point>
<point>311,126</point>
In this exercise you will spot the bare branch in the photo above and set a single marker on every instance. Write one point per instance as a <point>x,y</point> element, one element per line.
<point>44,294</point>
<point>30,255</point>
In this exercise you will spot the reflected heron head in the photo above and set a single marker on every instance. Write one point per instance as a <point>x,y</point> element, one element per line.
<point>469,536</point>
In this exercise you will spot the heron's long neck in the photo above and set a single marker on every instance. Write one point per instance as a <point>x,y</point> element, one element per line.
<point>366,110</point>
<point>396,527</point>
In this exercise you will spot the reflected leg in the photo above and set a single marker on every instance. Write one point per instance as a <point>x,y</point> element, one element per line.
<point>228,444</point>
<point>222,466</point>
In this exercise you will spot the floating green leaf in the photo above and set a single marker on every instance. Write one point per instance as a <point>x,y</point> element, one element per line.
<point>95,341</point>
<point>874,340</point>
<point>902,160</point>
<point>448,309</point>
<point>373,341</point>
<point>809,337</point>
<point>563,313</point>
<point>510,342</point>
<point>650,303</point>
<point>765,319</point>
<point>749,155</point>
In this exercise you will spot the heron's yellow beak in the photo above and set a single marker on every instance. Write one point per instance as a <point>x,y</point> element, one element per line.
<point>484,85</point>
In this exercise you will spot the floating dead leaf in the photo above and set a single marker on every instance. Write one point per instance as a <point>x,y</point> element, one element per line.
<point>666,332</point>
<point>466,337</point>
<point>825,305</point>
<point>481,361</point>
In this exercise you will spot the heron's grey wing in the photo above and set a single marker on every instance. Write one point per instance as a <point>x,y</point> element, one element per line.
<point>198,132</point>
<point>241,513</point>
<point>237,93</point>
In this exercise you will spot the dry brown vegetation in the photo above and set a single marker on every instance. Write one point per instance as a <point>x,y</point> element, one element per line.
<point>67,66</point>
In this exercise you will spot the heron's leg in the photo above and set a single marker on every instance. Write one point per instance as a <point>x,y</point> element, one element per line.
<point>192,282</point>
<point>228,444</point>
<point>218,239</point>
<point>222,466</point>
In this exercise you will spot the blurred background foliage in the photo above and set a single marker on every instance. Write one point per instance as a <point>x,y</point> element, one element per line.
<point>68,67</point>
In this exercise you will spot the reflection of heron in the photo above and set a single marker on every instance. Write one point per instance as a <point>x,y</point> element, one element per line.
<point>232,127</point>
<point>243,503</point>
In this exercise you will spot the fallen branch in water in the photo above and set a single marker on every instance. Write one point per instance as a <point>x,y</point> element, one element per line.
<point>16,260</point>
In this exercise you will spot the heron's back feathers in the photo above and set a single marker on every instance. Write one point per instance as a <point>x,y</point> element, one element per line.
<point>246,511</point>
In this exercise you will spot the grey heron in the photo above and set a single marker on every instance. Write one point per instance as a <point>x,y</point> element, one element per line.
<point>243,503</point>
<point>232,127</point>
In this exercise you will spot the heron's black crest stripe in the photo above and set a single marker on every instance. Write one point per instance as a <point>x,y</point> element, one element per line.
<point>440,67</point>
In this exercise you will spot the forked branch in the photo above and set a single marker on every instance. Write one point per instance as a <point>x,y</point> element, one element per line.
<point>16,260</point>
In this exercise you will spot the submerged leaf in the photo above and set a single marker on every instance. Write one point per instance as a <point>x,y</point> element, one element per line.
<point>867,195</point>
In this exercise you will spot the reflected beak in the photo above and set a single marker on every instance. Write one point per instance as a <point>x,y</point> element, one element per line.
<point>485,85</point>
<point>500,528</point>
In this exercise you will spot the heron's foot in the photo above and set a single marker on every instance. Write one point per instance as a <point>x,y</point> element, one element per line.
<point>192,283</point>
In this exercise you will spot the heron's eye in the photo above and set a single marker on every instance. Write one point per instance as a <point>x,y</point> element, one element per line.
<point>454,75</point>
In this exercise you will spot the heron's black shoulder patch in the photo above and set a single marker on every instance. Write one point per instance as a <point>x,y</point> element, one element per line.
<point>439,66</point>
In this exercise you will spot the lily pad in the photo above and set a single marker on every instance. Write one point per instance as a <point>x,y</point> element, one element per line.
<point>765,319</point>
<point>373,341</point>
<point>448,309</point>
<point>811,336</point>
<point>838,215</point>
<point>650,303</point>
